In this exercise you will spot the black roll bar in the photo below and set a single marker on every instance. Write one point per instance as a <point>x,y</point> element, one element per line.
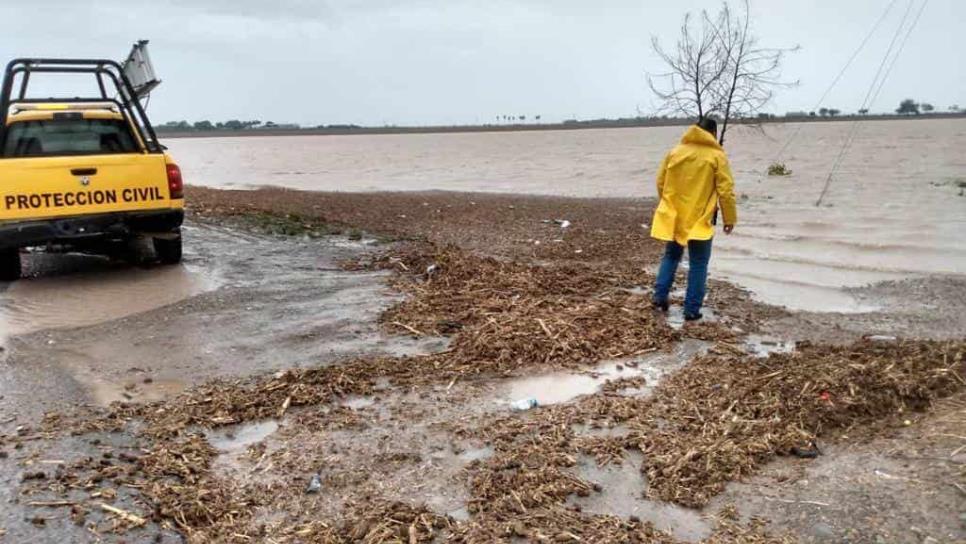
<point>126,98</point>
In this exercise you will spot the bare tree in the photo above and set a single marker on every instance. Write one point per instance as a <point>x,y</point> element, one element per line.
<point>721,72</point>
<point>695,67</point>
<point>753,72</point>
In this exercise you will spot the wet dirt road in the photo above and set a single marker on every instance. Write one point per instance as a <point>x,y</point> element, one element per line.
<point>81,330</point>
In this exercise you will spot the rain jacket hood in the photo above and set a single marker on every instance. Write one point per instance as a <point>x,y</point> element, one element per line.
<point>693,180</point>
<point>698,136</point>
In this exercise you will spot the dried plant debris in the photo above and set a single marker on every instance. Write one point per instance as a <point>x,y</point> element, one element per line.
<point>720,417</point>
<point>510,314</point>
<point>511,318</point>
<point>715,420</point>
<point>602,231</point>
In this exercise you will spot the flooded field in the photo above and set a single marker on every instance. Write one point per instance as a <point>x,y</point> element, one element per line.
<point>265,391</point>
<point>895,209</point>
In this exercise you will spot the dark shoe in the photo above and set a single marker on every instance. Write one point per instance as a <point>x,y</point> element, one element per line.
<point>693,317</point>
<point>662,306</point>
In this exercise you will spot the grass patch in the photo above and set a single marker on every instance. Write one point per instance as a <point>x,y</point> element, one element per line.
<point>287,224</point>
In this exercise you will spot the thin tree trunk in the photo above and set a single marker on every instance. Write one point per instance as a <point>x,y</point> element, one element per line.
<point>738,61</point>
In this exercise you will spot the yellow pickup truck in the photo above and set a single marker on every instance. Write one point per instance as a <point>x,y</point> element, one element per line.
<point>82,173</point>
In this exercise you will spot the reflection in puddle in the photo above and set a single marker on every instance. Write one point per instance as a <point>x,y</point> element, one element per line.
<point>233,442</point>
<point>105,393</point>
<point>237,438</point>
<point>554,388</point>
<point>675,316</point>
<point>783,292</point>
<point>762,346</point>
<point>562,387</point>
<point>622,495</point>
<point>95,296</point>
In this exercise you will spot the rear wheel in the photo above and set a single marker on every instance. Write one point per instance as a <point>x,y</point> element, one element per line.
<point>168,249</point>
<point>10,265</point>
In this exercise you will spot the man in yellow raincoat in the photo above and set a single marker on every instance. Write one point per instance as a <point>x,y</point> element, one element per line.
<point>693,181</point>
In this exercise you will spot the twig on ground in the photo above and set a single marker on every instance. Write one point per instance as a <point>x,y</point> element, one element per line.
<point>407,327</point>
<point>123,514</point>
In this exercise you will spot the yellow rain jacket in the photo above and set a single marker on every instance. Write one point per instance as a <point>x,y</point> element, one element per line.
<point>693,179</point>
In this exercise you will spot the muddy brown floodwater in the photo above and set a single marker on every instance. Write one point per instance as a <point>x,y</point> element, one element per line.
<point>241,303</point>
<point>896,208</point>
<point>68,291</point>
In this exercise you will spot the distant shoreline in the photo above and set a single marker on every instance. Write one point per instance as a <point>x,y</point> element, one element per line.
<point>570,125</point>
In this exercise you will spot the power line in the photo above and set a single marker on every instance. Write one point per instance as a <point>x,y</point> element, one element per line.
<point>841,73</point>
<point>885,58</point>
<point>902,46</point>
<point>872,89</point>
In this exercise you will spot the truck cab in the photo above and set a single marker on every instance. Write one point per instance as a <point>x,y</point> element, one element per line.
<point>82,173</point>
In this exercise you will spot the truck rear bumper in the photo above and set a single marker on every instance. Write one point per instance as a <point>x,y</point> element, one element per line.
<point>85,227</point>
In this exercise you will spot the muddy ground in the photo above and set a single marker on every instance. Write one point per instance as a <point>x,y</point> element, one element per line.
<point>406,452</point>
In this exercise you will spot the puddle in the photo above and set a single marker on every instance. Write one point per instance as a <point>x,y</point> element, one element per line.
<point>476,454</point>
<point>601,432</point>
<point>554,388</point>
<point>622,495</point>
<point>236,439</point>
<point>348,243</point>
<point>105,393</point>
<point>101,292</point>
<point>762,346</point>
<point>232,444</point>
<point>675,316</point>
<point>561,387</point>
<point>446,454</point>
<point>382,384</point>
<point>358,403</point>
<point>460,514</point>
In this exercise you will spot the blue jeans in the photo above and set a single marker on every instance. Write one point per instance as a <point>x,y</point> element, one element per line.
<point>699,253</point>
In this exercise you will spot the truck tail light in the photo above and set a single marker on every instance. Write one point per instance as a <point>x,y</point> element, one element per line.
<point>175,183</point>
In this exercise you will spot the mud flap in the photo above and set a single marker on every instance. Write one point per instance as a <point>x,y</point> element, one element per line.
<point>10,264</point>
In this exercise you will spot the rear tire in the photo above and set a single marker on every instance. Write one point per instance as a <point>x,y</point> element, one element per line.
<point>168,250</point>
<point>10,265</point>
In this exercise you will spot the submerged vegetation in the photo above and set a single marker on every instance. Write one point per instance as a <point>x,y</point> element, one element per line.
<point>778,169</point>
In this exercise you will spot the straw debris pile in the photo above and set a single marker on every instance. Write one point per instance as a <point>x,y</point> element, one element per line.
<point>373,522</point>
<point>504,317</point>
<point>713,421</point>
<point>720,417</point>
<point>511,315</point>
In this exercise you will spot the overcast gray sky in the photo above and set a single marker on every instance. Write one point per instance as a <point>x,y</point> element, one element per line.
<point>464,61</point>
